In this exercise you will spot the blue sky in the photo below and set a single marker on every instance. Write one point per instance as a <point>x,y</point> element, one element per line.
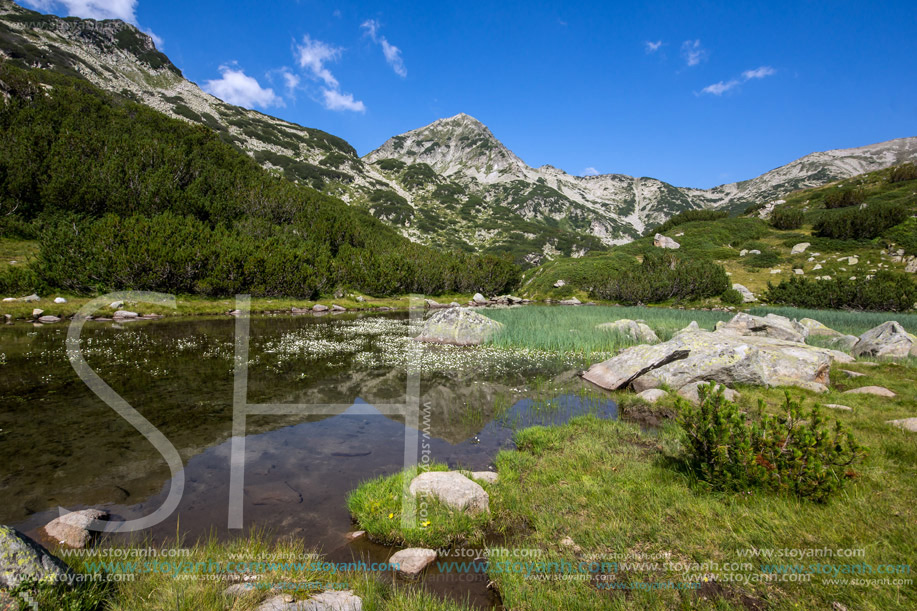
<point>696,94</point>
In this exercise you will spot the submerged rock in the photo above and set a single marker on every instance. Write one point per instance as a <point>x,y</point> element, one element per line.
<point>636,330</point>
<point>22,559</point>
<point>889,340</point>
<point>453,489</point>
<point>412,561</point>
<point>458,326</point>
<point>722,357</point>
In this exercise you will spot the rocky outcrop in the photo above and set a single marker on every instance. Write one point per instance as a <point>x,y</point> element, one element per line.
<point>888,340</point>
<point>772,325</point>
<point>22,559</point>
<point>412,561</point>
<point>637,330</point>
<point>723,357</point>
<point>73,529</point>
<point>458,326</point>
<point>453,489</point>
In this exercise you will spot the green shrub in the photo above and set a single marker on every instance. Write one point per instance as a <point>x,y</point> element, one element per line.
<point>903,172</point>
<point>886,292</point>
<point>845,198</point>
<point>19,280</point>
<point>903,236</point>
<point>767,258</point>
<point>687,216</point>
<point>661,277</point>
<point>792,452</point>
<point>786,218</point>
<point>731,297</point>
<point>391,165</point>
<point>860,223</point>
<point>754,208</point>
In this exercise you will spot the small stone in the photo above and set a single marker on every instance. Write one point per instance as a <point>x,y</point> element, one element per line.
<point>336,308</point>
<point>800,248</point>
<point>843,408</point>
<point>72,529</point>
<point>412,561</point>
<point>354,535</point>
<point>479,299</point>
<point>571,544</point>
<point>360,299</point>
<point>559,284</point>
<point>485,476</point>
<point>747,295</point>
<point>125,314</point>
<point>652,395</point>
<point>453,489</point>
<point>853,374</point>
<point>36,313</point>
<point>60,300</point>
<point>319,308</point>
<point>114,305</point>
<point>878,391</point>
<point>9,299</point>
<point>908,424</point>
<point>571,301</point>
<point>48,319</point>
<point>30,298</point>
<point>798,272</point>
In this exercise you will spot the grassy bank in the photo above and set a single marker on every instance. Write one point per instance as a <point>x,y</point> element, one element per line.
<point>621,495</point>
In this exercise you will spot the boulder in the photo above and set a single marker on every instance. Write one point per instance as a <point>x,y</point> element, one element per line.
<point>319,308</point>
<point>453,489</point>
<point>329,600</point>
<point>337,308</point>
<point>458,326</point>
<point>22,559</point>
<point>636,330</point>
<point>125,314</point>
<point>754,252</point>
<point>72,529</point>
<point>559,284</point>
<point>800,248</point>
<point>60,300</point>
<point>37,312</point>
<point>908,424</point>
<point>48,319</point>
<point>747,295</point>
<point>571,301</point>
<point>721,357</point>
<point>9,299</point>
<point>693,326</point>
<point>844,342</point>
<point>652,395</point>
<point>777,327</point>
<point>115,305</point>
<point>514,300</point>
<point>815,328</point>
<point>479,299</point>
<point>30,298</point>
<point>660,241</point>
<point>911,266</point>
<point>432,304</point>
<point>692,394</point>
<point>852,374</point>
<point>878,391</point>
<point>412,561</point>
<point>888,340</point>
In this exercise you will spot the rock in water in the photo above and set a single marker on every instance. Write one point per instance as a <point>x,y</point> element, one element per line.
<point>817,329</point>
<point>72,529</point>
<point>636,330</point>
<point>888,340</point>
<point>660,241</point>
<point>721,357</point>
<point>778,327</point>
<point>22,559</point>
<point>412,561</point>
<point>458,326</point>
<point>453,489</point>
<point>319,308</point>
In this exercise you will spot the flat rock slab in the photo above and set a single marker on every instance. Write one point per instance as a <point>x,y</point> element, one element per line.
<point>412,561</point>
<point>908,424</point>
<point>777,327</point>
<point>878,391</point>
<point>726,358</point>
<point>652,395</point>
<point>691,392</point>
<point>837,406</point>
<point>22,559</point>
<point>453,489</point>
<point>458,326</point>
<point>73,529</point>
<point>329,600</point>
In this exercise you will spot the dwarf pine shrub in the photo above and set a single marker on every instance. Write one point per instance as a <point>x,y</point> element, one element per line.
<point>793,452</point>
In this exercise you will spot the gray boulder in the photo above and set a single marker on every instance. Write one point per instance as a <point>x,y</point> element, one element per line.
<point>908,424</point>
<point>125,314</point>
<point>30,298</point>
<point>412,561</point>
<point>691,328</point>
<point>22,559</point>
<point>660,241</point>
<point>479,299</point>
<point>60,300</point>
<point>48,319</point>
<point>571,301</point>
<point>485,476</point>
<point>692,394</point>
<point>800,248</point>
<point>453,489</point>
<point>888,340</point>
<point>844,342</point>
<point>747,295</point>
<point>73,529</point>
<point>559,284</point>
<point>815,328</point>
<point>329,600</point>
<point>458,326</point>
<point>319,308</point>
<point>635,329</point>
<point>777,327</point>
<point>877,391</point>
<point>722,357</point>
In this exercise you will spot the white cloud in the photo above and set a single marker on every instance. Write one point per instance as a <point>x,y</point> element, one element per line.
<point>291,80</point>
<point>720,88</point>
<point>652,47</point>
<point>758,73</point>
<point>238,88</point>
<point>391,52</point>
<point>312,55</point>
<point>693,52</point>
<point>335,100</point>
<point>591,171</point>
<point>125,10</point>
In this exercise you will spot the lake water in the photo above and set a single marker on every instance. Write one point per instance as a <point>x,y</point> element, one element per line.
<point>62,446</point>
